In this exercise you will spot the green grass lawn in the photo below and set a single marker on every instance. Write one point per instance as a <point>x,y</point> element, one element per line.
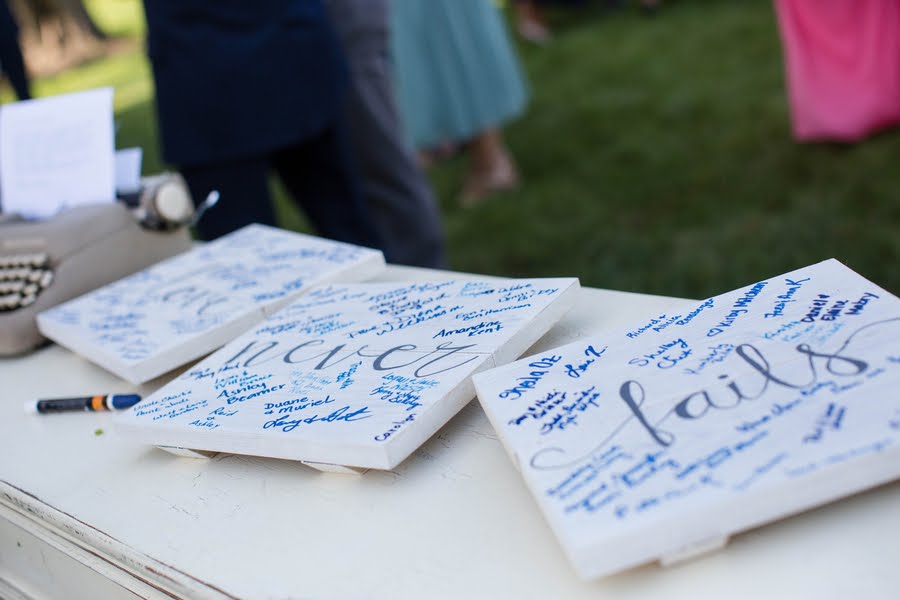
<point>656,157</point>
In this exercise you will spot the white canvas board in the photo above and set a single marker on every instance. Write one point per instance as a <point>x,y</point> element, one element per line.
<point>187,306</point>
<point>669,436</point>
<point>57,152</point>
<point>357,375</point>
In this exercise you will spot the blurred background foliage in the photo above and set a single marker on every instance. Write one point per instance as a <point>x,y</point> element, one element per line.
<point>656,154</point>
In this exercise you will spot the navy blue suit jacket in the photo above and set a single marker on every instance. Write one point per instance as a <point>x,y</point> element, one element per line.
<point>241,78</point>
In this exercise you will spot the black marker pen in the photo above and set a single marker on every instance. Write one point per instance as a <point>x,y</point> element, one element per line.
<point>90,403</point>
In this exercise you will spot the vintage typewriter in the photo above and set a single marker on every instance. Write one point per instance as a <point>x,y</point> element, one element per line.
<point>44,263</point>
<point>22,278</point>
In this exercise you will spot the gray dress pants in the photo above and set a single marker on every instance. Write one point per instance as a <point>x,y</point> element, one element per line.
<point>397,193</point>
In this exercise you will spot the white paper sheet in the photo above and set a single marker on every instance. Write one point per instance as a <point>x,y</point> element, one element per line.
<point>57,152</point>
<point>128,169</point>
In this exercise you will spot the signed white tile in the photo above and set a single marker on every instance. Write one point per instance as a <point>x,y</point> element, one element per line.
<point>670,435</point>
<point>357,375</point>
<point>183,308</point>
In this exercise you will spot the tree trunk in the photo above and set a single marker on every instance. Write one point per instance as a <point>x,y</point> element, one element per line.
<point>68,14</point>
<point>76,10</point>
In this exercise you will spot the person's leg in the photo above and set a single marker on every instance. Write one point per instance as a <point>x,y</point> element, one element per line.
<point>530,22</point>
<point>491,167</point>
<point>11,61</point>
<point>245,198</point>
<point>396,191</point>
<point>321,177</point>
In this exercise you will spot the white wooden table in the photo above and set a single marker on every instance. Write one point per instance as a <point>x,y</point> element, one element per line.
<point>85,513</point>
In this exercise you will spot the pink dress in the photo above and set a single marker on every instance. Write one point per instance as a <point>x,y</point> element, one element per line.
<point>842,64</point>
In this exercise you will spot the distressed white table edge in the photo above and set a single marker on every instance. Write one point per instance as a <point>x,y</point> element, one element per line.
<point>87,514</point>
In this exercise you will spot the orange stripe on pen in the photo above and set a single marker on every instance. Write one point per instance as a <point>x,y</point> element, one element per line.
<point>97,403</point>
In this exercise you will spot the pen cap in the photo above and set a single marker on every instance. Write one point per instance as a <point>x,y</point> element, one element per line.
<point>123,401</point>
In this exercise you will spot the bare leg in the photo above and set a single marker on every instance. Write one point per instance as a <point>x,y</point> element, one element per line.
<point>530,22</point>
<point>491,167</point>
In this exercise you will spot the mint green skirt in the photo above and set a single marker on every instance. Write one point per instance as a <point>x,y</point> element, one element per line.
<point>456,71</point>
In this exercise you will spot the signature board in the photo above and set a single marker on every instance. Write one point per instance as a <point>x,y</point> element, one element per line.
<point>187,306</point>
<point>355,375</point>
<point>672,434</point>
